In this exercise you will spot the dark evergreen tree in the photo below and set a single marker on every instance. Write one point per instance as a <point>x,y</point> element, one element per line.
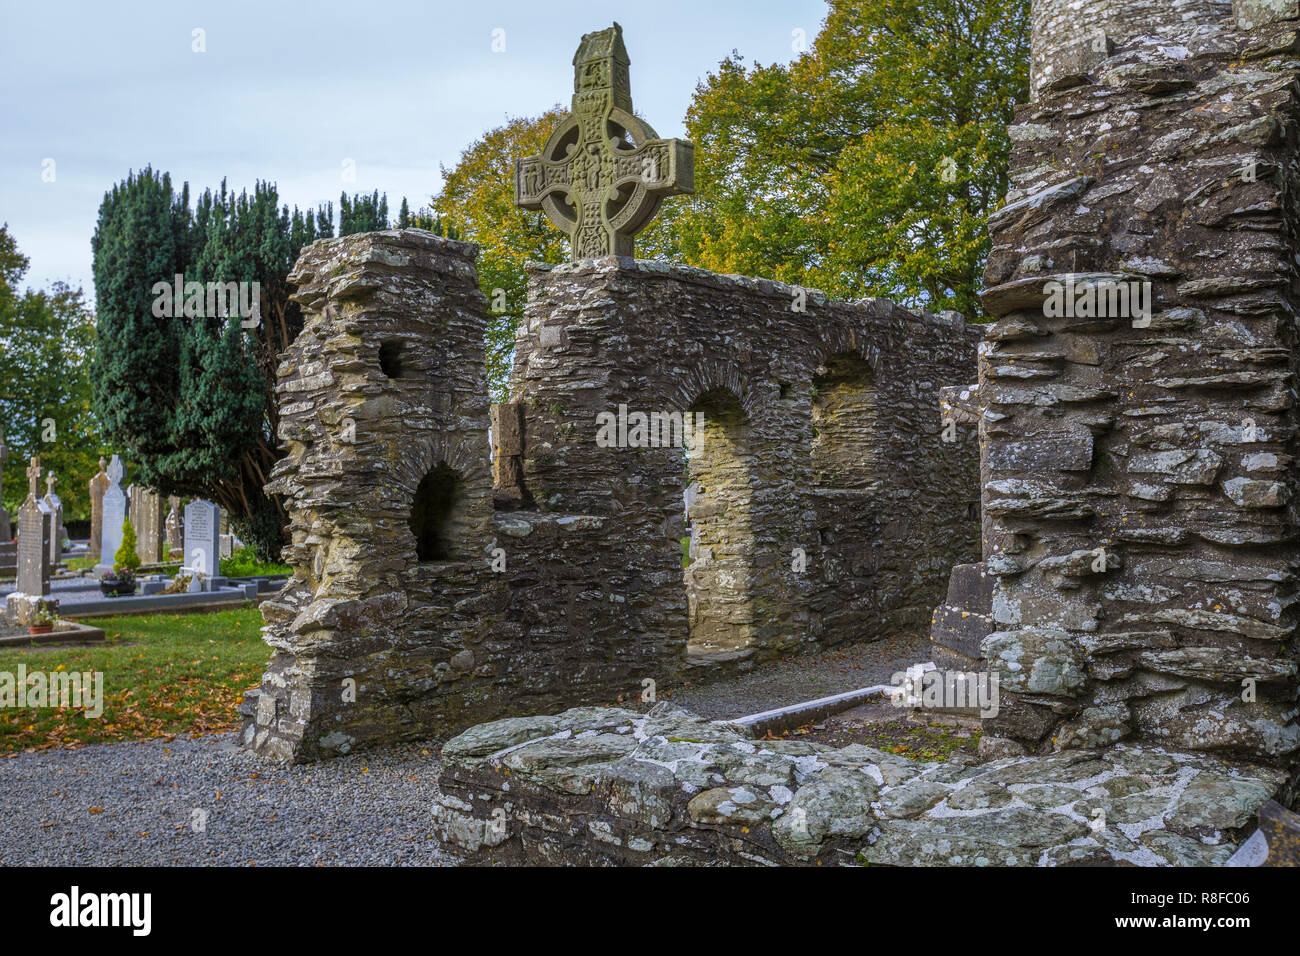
<point>190,399</point>
<point>425,219</point>
<point>345,214</point>
<point>362,213</point>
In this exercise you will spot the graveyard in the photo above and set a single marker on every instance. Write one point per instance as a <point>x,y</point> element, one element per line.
<point>43,581</point>
<point>676,565</point>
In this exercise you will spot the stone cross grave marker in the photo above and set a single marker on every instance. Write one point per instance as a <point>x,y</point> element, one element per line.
<point>173,525</point>
<point>54,504</point>
<point>603,173</point>
<point>33,539</point>
<point>98,485</point>
<point>202,536</point>
<point>115,511</point>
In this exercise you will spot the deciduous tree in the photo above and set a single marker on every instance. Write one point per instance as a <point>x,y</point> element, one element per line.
<point>868,165</point>
<point>46,338</point>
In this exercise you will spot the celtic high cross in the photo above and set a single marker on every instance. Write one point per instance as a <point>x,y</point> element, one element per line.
<point>603,173</point>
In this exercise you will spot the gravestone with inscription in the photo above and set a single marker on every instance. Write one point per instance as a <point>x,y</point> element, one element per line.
<point>202,537</point>
<point>98,485</point>
<point>149,519</point>
<point>115,512</point>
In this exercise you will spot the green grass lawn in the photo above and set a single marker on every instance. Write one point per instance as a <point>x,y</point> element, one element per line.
<point>164,674</point>
<point>242,564</point>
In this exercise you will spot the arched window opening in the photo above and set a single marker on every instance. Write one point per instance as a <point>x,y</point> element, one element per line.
<point>844,443</point>
<point>431,514</point>
<point>390,358</point>
<point>719,571</point>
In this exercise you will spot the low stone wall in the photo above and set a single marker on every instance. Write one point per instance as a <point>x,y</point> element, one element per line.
<point>612,786</point>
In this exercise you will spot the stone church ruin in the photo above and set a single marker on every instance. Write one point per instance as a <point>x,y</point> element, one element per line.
<point>441,580</point>
<point>1094,501</point>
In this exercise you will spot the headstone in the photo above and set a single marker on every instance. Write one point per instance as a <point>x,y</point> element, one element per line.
<point>6,531</point>
<point>115,512</point>
<point>54,507</point>
<point>202,537</point>
<point>174,542</point>
<point>33,539</point>
<point>604,172</point>
<point>98,485</point>
<point>133,509</point>
<point>689,497</point>
<point>148,518</point>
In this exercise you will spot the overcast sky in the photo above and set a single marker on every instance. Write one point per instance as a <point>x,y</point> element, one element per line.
<point>287,91</point>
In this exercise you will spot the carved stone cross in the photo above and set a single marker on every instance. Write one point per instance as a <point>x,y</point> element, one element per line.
<point>603,173</point>
<point>50,482</point>
<point>34,477</point>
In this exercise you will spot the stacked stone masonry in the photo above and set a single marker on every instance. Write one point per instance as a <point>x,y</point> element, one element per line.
<point>1138,471</point>
<point>606,786</point>
<point>438,581</point>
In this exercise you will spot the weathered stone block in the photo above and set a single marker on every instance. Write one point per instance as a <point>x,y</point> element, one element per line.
<point>690,792</point>
<point>1036,661</point>
<point>1281,829</point>
<point>1184,397</point>
<point>1249,14</point>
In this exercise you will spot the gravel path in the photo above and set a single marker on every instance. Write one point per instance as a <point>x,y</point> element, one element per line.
<point>796,679</point>
<point>134,803</point>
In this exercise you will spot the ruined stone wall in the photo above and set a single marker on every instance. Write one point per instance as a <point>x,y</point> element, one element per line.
<point>364,633</point>
<point>374,642</point>
<point>822,434</point>
<point>438,582</point>
<point>1139,480</point>
<point>1069,39</point>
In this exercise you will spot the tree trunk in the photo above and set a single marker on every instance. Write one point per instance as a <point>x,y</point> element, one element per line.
<point>263,528</point>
